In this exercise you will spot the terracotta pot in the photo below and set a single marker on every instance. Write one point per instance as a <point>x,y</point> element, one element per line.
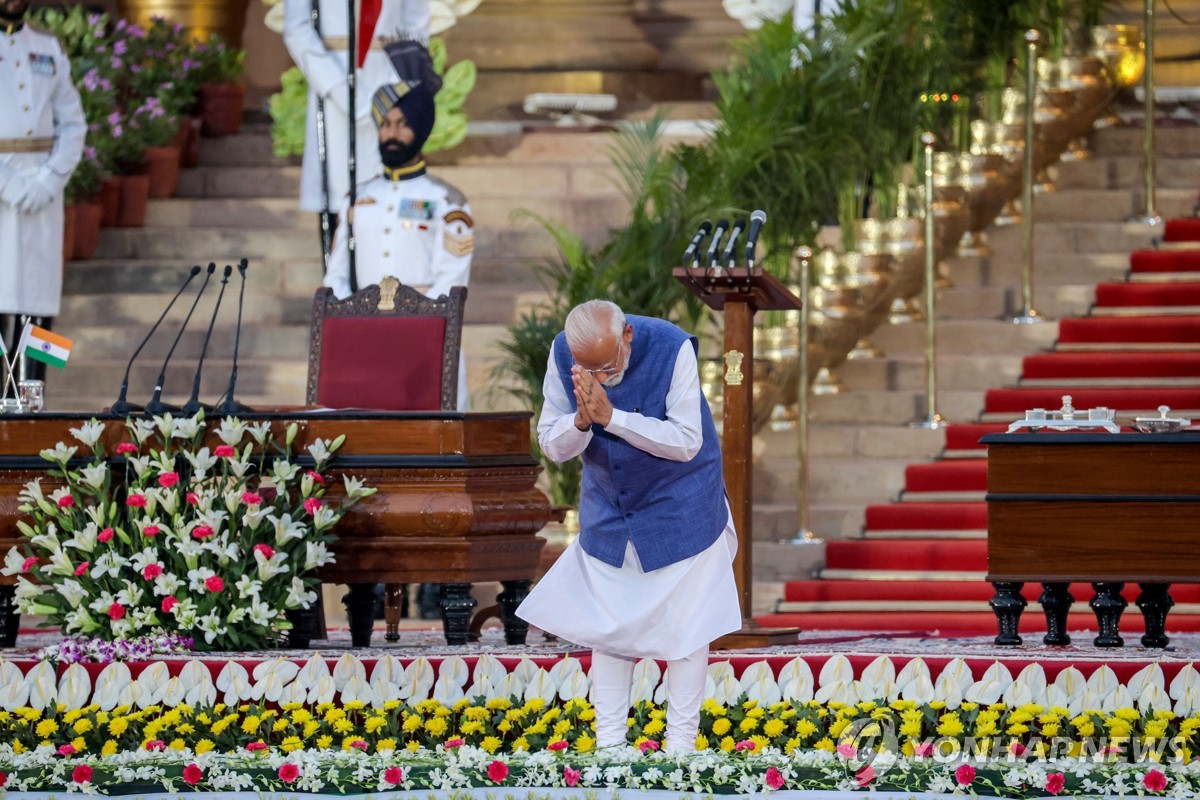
<point>189,156</point>
<point>68,232</point>
<point>161,165</point>
<point>110,201</point>
<point>135,190</point>
<point>87,229</point>
<point>221,106</point>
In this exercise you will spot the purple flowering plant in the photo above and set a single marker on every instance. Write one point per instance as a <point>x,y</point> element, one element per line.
<point>83,649</point>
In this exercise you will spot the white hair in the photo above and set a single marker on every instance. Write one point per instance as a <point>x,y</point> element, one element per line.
<point>590,322</point>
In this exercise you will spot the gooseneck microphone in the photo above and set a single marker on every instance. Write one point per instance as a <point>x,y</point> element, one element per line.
<point>727,256</point>
<point>756,222</point>
<point>156,405</point>
<point>694,247</point>
<point>229,406</point>
<point>193,403</point>
<point>122,406</point>
<point>710,257</point>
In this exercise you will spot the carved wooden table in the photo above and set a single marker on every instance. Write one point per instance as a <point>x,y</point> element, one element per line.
<point>456,503</point>
<point>1104,509</point>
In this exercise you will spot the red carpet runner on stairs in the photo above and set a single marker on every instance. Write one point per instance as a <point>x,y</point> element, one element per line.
<point>921,561</point>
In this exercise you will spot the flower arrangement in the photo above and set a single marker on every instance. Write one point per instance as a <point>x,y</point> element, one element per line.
<point>221,541</point>
<point>82,649</point>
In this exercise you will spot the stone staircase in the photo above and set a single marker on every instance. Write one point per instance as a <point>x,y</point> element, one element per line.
<point>860,444</point>
<point>240,202</point>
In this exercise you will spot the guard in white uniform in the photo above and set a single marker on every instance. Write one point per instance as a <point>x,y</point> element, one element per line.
<point>42,131</point>
<point>407,223</point>
<point>650,575</point>
<point>323,60</point>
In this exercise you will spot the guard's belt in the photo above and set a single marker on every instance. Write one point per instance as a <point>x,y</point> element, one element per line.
<point>335,43</point>
<point>40,144</point>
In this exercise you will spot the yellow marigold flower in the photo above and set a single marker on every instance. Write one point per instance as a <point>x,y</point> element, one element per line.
<point>324,742</point>
<point>436,726</point>
<point>385,745</point>
<point>504,727</point>
<point>355,705</point>
<point>721,726</point>
<point>1129,714</point>
<point>520,743</point>
<point>1156,729</point>
<point>202,718</point>
<point>250,724</point>
<point>462,703</point>
<point>562,727</point>
<point>281,724</point>
<point>498,703</point>
<point>969,706</point>
<point>475,726</point>
<point>72,715</point>
<point>344,726</point>
<point>937,705</point>
<point>46,727</point>
<point>476,713</point>
<point>177,744</point>
<point>655,726</point>
<point>392,705</point>
<point>79,744</point>
<point>867,705</point>
<point>81,725</point>
<point>412,723</point>
<point>412,747</point>
<point>1017,729</point>
<point>908,748</point>
<point>701,741</point>
<point>334,714</point>
<point>536,728</point>
<point>838,726</point>
<point>1118,727</point>
<point>756,712</point>
<point>374,724</point>
<point>883,712</point>
<point>291,743</point>
<point>790,746</point>
<point>109,748</point>
<point>994,707</point>
<point>912,729</point>
<point>588,714</point>
<point>1020,716</point>
<point>805,728</point>
<point>301,716</point>
<point>774,727</point>
<point>584,743</point>
<point>950,725</point>
<point>727,744</point>
<point>311,727</point>
<point>442,712</point>
<point>491,744</point>
<point>1050,729</point>
<point>218,727</point>
<point>19,748</point>
<point>202,746</point>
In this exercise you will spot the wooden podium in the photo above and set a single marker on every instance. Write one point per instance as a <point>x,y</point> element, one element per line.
<point>739,292</point>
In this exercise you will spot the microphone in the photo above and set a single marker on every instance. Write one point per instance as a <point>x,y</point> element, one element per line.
<point>756,222</point>
<point>690,253</point>
<point>738,227</point>
<point>193,403</point>
<point>156,405</point>
<point>711,256</point>
<point>122,406</point>
<point>229,406</point>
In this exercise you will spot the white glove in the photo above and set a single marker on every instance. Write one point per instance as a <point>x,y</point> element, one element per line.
<point>38,195</point>
<point>14,190</point>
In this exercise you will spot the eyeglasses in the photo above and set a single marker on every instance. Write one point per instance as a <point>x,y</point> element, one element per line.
<point>610,366</point>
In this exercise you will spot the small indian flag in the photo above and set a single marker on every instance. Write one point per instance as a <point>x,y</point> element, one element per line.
<point>42,345</point>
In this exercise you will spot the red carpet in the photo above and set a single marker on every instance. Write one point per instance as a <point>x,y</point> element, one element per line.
<point>1147,295</point>
<point>1186,229</point>
<point>1017,401</point>
<point>1130,330</point>
<point>1165,261</point>
<point>885,554</point>
<point>926,517</point>
<point>1107,364</point>
<point>957,475</point>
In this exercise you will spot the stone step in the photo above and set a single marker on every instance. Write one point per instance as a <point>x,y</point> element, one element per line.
<point>1110,205</point>
<point>898,408</point>
<point>845,477</point>
<point>1125,172</point>
<point>953,371</point>
<point>1169,141</point>
<point>986,337</point>
<point>989,302</point>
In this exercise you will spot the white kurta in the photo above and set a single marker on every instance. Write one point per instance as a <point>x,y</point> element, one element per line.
<point>325,69</point>
<point>417,230</point>
<point>667,613</point>
<point>39,102</point>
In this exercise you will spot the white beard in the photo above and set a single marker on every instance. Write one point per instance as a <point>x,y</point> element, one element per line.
<point>615,379</point>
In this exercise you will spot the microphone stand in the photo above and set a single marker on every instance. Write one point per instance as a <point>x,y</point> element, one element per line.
<point>123,407</point>
<point>156,405</point>
<point>229,406</point>
<point>193,404</point>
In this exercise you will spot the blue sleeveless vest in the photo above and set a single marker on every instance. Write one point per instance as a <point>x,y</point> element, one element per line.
<point>672,510</point>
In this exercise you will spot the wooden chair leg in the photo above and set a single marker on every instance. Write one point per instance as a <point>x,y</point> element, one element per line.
<point>318,628</point>
<point>394,596</point>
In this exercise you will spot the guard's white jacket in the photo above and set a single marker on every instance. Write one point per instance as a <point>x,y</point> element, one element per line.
<point>323,60</point>
<point>42,131</point>
<point>418,229</point>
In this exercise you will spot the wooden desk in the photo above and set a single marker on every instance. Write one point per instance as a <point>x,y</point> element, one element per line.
<point>1100,508</point>
<point>456,503</point>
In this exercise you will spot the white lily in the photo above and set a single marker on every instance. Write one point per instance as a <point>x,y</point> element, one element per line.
<point>60,454</point>
<point>70,590</point>
<point>201,460</point>
<point>316,554</point>
<point>60,564</point>
<point>167,583</point>
<point>284,472</point>
<point>93,475</point>
<point>259,431</point>
<point>107,564</point>
<point>287,529</point>
<point>260,613</point>
<point>247,586</point>
<point>140,429</point>
<point>165,425</point>
<point>31,492</point>
<point>84,539</point>
<point>14,562</point>
<point>354,488</point>
<point>187,429</point>
<point>298,596</point>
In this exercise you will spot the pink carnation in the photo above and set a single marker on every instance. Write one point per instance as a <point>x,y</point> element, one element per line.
<point>288,772</point>
<point>156,745</point>
<point>744,744</point>
<point>393,776</point>
<point>224,451</point>
<point>105,534</point>
<point>29,564</point>
<point>312,504</point>
<point>1018,749</point>
<point>774,778</point>
<point>81,774</point>
<point>214,584</point>
<point>865,775</point>
<point>168,603</point>
<point>358,744</point>
<point>202,532</point>
<point>83,568</point>
<point>252,498</point>
<point>192,774</point>
<point>136,501</point>
<point>570,776</point>
<point>192,499</point>
<point>923,749</point>
<point>66,749</point>
<point>315,476</point>
<point>126,447</point>
<point>847,750</point>
<point>268,551</point>
<point>497,771</point>
<point>116,611</point>
<point>168,479</point>
<point>66,501</point>
<point>255,747</point>
<point>648,746</point>
<point>561,744</point>
<point>1055,782</point>
<point>152,571</point>
<point>965,775</point>
<point>1155,780</point>
<point>151,530</point>
<point>450,744</point>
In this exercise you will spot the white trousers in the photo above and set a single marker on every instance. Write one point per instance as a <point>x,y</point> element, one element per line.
<point>612,677</point>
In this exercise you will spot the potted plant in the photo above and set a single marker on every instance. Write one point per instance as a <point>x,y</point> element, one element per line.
<point>215,534</point>
<point>82,192</point>
<point>221,96</point>
<point>157,129</point>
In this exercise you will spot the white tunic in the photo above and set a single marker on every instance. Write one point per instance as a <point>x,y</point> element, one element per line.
<point>39,102</point>
<point>417,230</point>
<point>325,69</point>
<point>667,613</point>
